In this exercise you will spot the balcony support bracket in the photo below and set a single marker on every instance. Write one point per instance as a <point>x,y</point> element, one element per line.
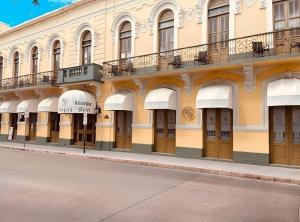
<point>249,77</point>
<point>141,86</point>
<point>188,85</point>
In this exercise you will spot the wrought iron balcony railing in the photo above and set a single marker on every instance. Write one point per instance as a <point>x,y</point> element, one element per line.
<point>90,72</point>
<point>269,44</point>
<point>38,79</point>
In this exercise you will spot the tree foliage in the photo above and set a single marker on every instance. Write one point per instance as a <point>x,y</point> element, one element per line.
<point>35,2</point>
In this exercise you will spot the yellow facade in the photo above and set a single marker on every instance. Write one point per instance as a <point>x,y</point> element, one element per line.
<point>246,74</point>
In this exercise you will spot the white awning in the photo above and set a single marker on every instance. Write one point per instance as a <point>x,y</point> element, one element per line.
<point>9,107</point>
<point>28,106</point>
<point>76,101</point>
<point>48,105</point>
<point>284,92</point>
<point>214,97</point>
<point>121,101</point>
<point>162,98</point>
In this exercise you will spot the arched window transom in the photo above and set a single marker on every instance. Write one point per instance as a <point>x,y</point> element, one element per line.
<point>34,61</point>
<point>166,31</point>
<point>218,23</point>
<point>86,47</point>
<point>125,40</point>
<point>16,64</point>
<point>56,56</point>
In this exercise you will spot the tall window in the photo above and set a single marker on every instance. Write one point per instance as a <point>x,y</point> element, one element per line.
<point>86,45</point>
<point>286,14</point>
<point>218,22</point>
<point>56,56</point>
<point>1,67</point>
<point>166,31</point>
<point>34,61</point>
<point>125,40</point>
<point>16,64</point>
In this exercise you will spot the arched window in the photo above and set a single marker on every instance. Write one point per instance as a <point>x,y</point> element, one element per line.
<point>34,60</point>
<point>16,64</point>
<point>166,31</point>
<point>218,22</point>
<point>286,14</point>
<point>86,46</point>
<point>1,67</point>
<point>56,56</point>
<point>125,40</point>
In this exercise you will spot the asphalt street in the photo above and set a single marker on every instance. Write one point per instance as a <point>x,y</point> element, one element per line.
<point>37,187</point>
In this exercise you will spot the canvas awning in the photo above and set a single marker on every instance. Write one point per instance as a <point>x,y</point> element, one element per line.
<point>214,97</point>
<point>120,101</point>
<point>162,98</point>
<point>28,106</point>
<point>284,92</point>
<point>48,105</point>
<point>9,107</point>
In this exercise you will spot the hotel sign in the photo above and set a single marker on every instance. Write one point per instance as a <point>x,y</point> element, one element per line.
<point>76,105</point>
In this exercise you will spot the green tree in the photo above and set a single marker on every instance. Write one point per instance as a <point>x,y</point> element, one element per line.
<point>35,2</point>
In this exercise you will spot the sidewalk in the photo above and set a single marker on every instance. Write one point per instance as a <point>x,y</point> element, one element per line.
<point>265,173</point>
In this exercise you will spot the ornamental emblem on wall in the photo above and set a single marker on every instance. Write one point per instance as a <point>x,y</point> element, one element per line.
<point>188,112</point>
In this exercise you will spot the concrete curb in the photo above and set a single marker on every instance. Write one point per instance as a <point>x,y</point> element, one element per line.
<point>168,166</point>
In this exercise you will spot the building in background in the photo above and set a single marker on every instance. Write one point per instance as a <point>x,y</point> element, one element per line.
<point>197,79</point>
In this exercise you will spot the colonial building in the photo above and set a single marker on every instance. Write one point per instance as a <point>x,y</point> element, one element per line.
<point>197,79</point>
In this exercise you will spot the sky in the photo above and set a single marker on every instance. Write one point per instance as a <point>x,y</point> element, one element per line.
<point>15,12</point>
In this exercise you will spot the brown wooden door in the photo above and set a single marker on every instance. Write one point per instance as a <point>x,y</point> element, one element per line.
<point>165,131</point>
<point>14,123</point>
<point>54,127</point>
<point>79,129</point>
<point>123,129</point>
<point>32,125</point>
<point>285,135</point>
<point>218,133</point>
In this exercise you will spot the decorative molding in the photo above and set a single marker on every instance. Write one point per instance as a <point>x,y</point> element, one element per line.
<point>248,3</point>
<point>188,85</point>
<point>199,12</point>
<point>250,77</point>
<point>188,126</point>
<point>142,126</point>
<point>105,125</point>
<point>262,4</point>
<point>44,123</point>
<point>65,124</point>
<point>126,16</point>
<point>153,20</point>
<point>238,6</point>
<point>77,39</point>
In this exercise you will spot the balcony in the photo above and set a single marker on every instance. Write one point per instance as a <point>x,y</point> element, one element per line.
<point>77,74</point>
<point>31,80</point>
<point>265,45</point>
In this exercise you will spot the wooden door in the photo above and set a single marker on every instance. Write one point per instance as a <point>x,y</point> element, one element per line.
<point>218,133</point>
<point>14,123</point>
<point>90,129</point>
<point>32,125</point>
<point>218,36</point>
<point>285,135</point>
<point>123,134</point>
<point>78,129</point>
<point>54,126</point>
<point>165,131</point>
<point>294,153</point>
